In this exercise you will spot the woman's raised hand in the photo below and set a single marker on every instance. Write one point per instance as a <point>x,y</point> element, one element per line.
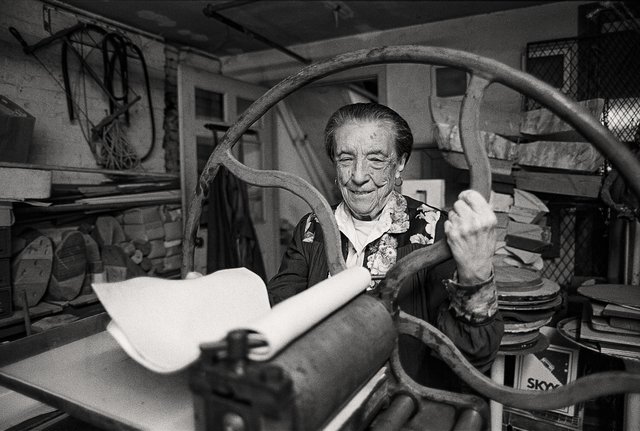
<point>471,235</point>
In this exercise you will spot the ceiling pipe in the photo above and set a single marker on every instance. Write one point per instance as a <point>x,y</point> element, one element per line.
<point>229,5</point>
<point>210,11</point>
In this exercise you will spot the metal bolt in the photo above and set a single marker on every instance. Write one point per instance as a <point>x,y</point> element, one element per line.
<point>232,422</point>
<point>271,375</point>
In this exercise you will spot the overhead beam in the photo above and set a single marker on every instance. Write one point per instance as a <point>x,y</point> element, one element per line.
<point>229,5</point>
<point>210,11</point>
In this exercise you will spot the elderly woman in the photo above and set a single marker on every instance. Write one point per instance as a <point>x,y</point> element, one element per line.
<point>369,145</point>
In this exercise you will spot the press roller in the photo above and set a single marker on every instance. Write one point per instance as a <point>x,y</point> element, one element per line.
<point>304,386</point>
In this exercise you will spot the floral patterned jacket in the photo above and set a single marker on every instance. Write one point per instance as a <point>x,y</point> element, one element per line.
<point>413,225</point>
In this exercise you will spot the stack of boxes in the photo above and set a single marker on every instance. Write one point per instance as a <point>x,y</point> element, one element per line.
<point>156,233</point>
<point>522,231</point>
<point>6,220</point>
<point>144,228</point>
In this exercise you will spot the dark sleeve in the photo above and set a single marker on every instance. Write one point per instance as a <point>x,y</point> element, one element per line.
<point>293,275</point>
<point>479,342</point>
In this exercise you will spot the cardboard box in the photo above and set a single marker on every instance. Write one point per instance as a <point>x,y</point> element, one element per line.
<point>171,263</point>
<point>530,237</point>
<point>173,230</point>
<point>144,232</point>
<point>16,132</point>
<point>142,215</point>
<point>157,249</point>
<point>547,370</point>
<point>541,371</point>
<point>18,183</point>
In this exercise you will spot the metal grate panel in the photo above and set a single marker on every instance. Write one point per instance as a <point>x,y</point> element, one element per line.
<point>581,243</point>
<point>603,66</point>
<point>562,268</point>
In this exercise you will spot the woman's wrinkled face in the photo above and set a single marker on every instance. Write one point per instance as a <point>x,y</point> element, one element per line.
<point>366,166</point>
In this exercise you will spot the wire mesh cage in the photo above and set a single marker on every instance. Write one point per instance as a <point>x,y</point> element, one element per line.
<point>560,267</point>
<point>580,238</point>
<point>603,66</point>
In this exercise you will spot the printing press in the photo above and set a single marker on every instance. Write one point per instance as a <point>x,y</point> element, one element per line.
<point>343,373</point>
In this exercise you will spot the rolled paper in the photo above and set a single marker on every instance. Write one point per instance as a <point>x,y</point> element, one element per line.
<point>293,317</point>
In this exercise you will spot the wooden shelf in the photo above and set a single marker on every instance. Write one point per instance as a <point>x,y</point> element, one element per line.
<point>66,203</point>
<point>27,213</point>
<point>583,186</point>
<point>82,306</point>
<point>111,172</point>
<point>94,207</point>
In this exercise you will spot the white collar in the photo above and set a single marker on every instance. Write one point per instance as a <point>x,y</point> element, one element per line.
<point>345,222</point>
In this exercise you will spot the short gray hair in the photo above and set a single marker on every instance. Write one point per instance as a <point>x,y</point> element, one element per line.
<point>369,112</point>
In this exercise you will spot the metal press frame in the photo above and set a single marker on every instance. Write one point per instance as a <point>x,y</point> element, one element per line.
<point>483,72</point>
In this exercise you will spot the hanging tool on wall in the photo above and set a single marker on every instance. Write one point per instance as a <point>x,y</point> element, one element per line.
<point>114,151</point>
<point>123,47</point>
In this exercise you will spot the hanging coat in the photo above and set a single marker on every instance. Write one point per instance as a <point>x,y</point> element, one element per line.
<point>232,240</point>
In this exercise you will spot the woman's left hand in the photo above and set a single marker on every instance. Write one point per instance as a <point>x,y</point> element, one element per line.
<point>471,235</point>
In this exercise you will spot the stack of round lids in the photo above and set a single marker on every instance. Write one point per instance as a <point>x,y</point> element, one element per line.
<point>527,302</point>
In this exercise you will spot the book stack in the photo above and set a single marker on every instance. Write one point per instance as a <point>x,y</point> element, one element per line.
<point>527,302</point>
<point>612,319</point>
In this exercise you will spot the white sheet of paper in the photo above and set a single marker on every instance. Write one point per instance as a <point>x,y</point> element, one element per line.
<point>161,323</point>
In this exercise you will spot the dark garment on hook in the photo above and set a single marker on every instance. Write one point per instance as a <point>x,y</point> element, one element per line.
<point>232,240</point>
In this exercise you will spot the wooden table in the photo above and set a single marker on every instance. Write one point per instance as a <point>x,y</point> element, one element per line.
<point>81,370</point>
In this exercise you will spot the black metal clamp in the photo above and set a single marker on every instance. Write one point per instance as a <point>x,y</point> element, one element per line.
<point>231,392</point>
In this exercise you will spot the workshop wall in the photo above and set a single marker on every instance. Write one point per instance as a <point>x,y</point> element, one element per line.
<point>26,82</point>
<point>405,87</point>
<point>502,36</point>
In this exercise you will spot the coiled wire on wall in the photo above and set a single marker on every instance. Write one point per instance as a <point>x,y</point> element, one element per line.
<point>114,150</point>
